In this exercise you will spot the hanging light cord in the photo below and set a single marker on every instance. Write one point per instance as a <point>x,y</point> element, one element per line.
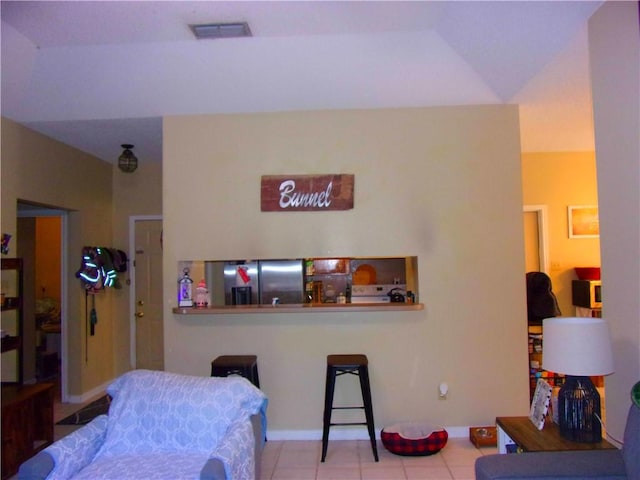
<point>606,432</point>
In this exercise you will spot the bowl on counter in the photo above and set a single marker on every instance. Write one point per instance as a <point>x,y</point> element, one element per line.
<point>588,273</point>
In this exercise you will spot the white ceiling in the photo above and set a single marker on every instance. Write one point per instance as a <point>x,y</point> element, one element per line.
<point>99,74</point>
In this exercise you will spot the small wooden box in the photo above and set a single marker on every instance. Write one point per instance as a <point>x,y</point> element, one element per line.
<point>483,436</point>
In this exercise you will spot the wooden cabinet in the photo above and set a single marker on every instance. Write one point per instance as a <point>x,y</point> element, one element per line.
<point>27,423</point>
<point>12,320</point>
<point>518,434</point>
<point>326,278</point>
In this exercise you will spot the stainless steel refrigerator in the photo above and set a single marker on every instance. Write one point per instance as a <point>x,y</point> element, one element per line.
<point>281,279</point>
<point>267,279</point>
<point>241,284</point>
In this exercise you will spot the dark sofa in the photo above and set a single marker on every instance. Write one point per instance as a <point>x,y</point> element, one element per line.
<point>584,464</point>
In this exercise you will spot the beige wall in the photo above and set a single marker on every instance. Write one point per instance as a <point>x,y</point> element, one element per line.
<point>440,183</point>
<point>37,169</point>
<point>615,70</point>
<point>557,180</point>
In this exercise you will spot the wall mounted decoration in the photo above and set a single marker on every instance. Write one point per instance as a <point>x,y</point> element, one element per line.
<point>583,221</point>
<point>4,248</point>
<point>296,193</point>
<point>100,266</point>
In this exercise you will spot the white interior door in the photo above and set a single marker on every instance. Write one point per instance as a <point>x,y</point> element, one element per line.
<point>148,327</point>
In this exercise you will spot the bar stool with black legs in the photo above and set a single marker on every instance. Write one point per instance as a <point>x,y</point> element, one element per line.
<point>243,365</point>
<point>338,365</point>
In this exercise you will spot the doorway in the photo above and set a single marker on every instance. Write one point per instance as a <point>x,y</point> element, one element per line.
<point>535,238</point>
<point>146,303</point>
<point>43,246</point>
<point>536,260</point>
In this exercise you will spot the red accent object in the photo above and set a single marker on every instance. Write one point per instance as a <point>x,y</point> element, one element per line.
<point>413,447</point>
<point>588,273</point>
<point>243,274</point>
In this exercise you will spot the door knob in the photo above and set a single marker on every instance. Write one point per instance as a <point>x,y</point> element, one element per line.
<point>140,302</point>
<point>139,314</point>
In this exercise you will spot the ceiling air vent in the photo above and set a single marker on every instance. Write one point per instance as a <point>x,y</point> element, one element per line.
<point>221,30</point>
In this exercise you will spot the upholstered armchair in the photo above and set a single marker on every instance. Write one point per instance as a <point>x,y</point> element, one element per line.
<point>163,426</point>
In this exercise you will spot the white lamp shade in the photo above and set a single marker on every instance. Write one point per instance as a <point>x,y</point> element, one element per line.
<point>579,346</point>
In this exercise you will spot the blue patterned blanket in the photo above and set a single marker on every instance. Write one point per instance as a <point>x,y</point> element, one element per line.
<point>166,426</point>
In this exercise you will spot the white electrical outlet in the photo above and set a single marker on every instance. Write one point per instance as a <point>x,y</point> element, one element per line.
<point>443,391</point>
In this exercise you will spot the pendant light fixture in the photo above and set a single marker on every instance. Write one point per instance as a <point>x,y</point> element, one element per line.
<point>127,161</point>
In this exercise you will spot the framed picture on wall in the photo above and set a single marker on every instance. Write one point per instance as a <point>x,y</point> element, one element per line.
<point>583,221</point>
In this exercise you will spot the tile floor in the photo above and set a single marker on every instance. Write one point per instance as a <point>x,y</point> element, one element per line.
<point>353,460</point>
<point>346,459</point>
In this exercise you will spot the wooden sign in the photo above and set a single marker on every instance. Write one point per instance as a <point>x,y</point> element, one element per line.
<point>306,193</point>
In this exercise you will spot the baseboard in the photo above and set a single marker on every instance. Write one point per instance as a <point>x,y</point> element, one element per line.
<point>346,434</point>
<point>85,397</point>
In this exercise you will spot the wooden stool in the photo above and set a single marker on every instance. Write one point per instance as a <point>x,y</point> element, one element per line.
<point>355,365</point>
<point>243,365</point>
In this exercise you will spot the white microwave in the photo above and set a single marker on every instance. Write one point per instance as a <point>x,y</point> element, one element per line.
<point>587,293</point>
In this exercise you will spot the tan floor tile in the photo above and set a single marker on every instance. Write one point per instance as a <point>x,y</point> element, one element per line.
<point>436,460</point>
<point>326,472</point>
<point>273,445</point>
<point>343,456</point>
<point>488,450</point>
<point>368,461</point>
<point>427,473</point>
<point>268,461</point>
<point>298,459</point>
<point>298,445</point>
<point>461,458</point>
<point>366,454</point>
<point>383,472</point>
<point>460,452</point>
<point>266,472</point>
<point>294,473</point>
<point>463,473</point>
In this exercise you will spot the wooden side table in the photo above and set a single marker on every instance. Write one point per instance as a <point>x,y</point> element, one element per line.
<point>27,423</point>
<point>519,431</point>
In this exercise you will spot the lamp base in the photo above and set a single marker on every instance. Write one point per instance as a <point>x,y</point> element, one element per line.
<point>579,410</point>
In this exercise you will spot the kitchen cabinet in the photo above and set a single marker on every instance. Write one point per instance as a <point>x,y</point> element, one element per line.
<point>12,320</point>
<point>357,280</point>
<point>327,280</point>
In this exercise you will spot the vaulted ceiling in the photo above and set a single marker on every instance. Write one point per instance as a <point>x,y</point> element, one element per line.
<point>99,74</point>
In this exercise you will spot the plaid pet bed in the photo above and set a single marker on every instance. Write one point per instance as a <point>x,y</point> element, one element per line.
<point>402,440</point>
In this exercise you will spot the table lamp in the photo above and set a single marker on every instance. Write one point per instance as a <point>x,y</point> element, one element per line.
<point>578,347</point>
